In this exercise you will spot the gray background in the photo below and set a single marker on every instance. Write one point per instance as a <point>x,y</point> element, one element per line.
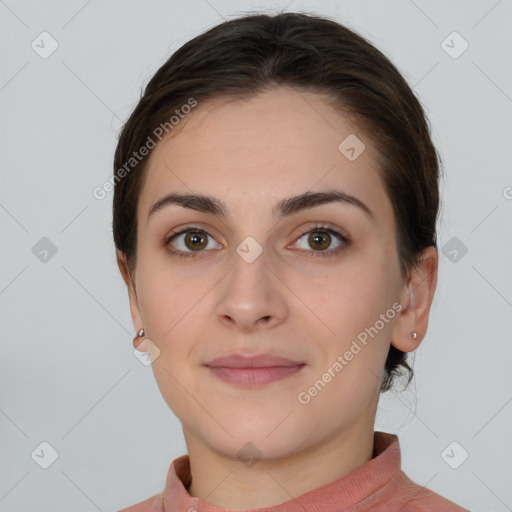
<point>68,375</point>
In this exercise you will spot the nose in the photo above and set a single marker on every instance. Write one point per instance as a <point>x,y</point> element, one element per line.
<point>252,296</point>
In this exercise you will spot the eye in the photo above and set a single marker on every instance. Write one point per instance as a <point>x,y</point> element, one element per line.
<point>320,238</point>
<point>189,240</point>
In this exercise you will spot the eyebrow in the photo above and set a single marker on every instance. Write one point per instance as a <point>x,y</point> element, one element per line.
<point>285,207</point>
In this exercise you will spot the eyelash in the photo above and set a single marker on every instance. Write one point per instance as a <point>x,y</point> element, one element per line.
<point>319,228</point>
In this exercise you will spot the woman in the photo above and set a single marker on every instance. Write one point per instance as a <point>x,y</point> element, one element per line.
<point>275,206</point>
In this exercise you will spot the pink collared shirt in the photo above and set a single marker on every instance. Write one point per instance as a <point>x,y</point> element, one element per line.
<point>378,486</point>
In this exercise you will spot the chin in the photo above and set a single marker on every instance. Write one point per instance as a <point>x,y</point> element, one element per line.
<point>249,447</point>
<point>275,432</point>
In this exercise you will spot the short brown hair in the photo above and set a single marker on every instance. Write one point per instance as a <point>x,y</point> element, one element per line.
<point>244,56</point>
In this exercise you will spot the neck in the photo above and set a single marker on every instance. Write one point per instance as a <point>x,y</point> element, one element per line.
<point>231,484</point>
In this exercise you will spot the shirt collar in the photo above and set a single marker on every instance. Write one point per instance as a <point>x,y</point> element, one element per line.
<point>370,482</point>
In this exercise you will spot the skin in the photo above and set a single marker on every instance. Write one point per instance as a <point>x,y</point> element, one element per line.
<point>289,301</point>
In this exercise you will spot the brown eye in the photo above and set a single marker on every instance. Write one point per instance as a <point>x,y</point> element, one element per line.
<point>319,240</point>
<point>189,242</point>
<point>195,240</point>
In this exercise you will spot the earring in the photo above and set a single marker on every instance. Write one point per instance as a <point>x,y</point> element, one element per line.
<point>140,334</point>
<point>414,335</point>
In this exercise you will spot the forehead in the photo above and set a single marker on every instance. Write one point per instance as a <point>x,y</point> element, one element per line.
<point>278,143</point>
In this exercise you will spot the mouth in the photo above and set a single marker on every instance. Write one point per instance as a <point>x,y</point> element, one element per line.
<point>253,371</point>
<point>253,377</point>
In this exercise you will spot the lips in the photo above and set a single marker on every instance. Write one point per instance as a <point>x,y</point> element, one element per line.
<point>253,371</point>
<point>256,361</point>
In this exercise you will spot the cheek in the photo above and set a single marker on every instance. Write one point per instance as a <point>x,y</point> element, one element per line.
<point>168,313</point>
<point>166,293</point>
<point>353,295</point>
<point>356,304</point>
<point>351,360</point>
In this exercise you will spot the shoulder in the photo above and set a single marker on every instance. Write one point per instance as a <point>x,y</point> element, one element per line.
<point>153,504</point>
<point>417,498</point>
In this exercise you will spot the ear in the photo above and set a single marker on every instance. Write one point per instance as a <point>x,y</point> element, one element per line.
<point>416,298</point>
<point>134,303</point>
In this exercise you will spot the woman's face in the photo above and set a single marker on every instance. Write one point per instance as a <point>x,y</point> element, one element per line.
<point>267,278</point>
